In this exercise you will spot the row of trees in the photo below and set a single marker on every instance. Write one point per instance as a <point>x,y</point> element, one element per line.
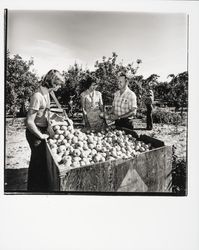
<point>21,82</point>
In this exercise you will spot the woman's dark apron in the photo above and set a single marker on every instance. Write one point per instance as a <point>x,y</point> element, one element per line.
<point>38,168</point>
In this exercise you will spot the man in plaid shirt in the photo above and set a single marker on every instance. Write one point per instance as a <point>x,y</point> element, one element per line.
<point>124,104</point>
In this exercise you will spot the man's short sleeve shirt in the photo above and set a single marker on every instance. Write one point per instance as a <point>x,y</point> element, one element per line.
<point>124,103</point>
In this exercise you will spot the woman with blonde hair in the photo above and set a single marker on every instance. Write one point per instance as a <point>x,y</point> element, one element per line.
<point>37,124</point>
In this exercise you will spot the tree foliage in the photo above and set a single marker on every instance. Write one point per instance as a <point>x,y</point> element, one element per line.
<point>20,83</point>
<point>175,91</point>
<point>106,71</point>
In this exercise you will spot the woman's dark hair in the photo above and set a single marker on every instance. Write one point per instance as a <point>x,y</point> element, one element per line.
<point>89,81</point>
<point>47,80</point>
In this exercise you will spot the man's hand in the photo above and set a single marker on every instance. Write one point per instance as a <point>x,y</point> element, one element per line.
<point>102,115</point>
<point>114,117</point>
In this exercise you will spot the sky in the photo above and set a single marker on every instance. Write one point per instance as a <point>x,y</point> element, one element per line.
<point>58,39</point>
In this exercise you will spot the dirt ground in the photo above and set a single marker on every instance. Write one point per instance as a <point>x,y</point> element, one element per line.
<point>18,153</point>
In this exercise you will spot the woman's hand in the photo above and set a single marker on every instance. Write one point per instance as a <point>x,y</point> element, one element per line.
<point>44,136</point>
<point>102,115</point>
<point>50,131</point>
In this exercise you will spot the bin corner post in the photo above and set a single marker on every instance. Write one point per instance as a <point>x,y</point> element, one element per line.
<point>168,169</point>
<point>164,169</point>
<point>52,172</point>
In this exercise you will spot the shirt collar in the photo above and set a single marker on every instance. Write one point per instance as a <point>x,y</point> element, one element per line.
<point>125,91</point>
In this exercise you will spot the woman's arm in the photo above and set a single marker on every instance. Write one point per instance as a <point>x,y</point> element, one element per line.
<point>30,123</point>
<point>126,115</point>
<point>84,110</point>
<point>83,105</point>
<point>101,106</point>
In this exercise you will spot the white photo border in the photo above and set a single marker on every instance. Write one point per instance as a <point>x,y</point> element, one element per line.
<point>107,222</point>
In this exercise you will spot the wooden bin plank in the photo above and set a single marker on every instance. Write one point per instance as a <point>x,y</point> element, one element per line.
<point>101,177</point>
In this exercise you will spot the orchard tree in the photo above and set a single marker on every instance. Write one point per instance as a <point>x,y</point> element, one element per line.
<point>162,92</point>
<point>179,90</point>
<point>174,91</point>
<point>74,78</point>
<point>152,80</point>
<point>136,84</point>
<point>20,84</point>
<point>139,85</point>
<point>107,72</point>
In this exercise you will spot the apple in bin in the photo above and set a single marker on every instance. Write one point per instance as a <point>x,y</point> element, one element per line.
<point>83,163</point>
<point>67,159</point>
<point>56,136</point>
<point>75,164</point>
<point>70,128</point>
<point>56,127</point>
<point>66,133</point>
<point>61,148</point>
<point>61,137</point>
<point>76,152</point>
<point>76,159</point>
<point>64,127</point>
<point>85,147</point>
<point>74,148</point>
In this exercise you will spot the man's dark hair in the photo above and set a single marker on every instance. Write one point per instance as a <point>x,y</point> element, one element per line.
<point>123,74</point>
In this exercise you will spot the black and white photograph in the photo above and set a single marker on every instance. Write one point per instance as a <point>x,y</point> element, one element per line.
<point>96,102</point>
<point>99,125</point>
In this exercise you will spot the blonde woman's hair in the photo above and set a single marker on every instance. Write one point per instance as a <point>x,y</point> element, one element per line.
<point>47,80</point>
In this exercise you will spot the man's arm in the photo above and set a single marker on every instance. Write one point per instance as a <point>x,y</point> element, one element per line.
<point>126,115</point>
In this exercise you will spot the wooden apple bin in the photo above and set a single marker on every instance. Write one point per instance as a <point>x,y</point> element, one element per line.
<point>147,172</point>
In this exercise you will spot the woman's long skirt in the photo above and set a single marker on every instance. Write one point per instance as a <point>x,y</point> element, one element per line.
<point>38,169</point>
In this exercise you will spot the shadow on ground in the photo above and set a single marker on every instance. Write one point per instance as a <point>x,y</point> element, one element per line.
<point>16,179</point>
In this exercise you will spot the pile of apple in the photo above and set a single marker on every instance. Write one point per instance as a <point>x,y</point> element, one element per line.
<point>72,148</point>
